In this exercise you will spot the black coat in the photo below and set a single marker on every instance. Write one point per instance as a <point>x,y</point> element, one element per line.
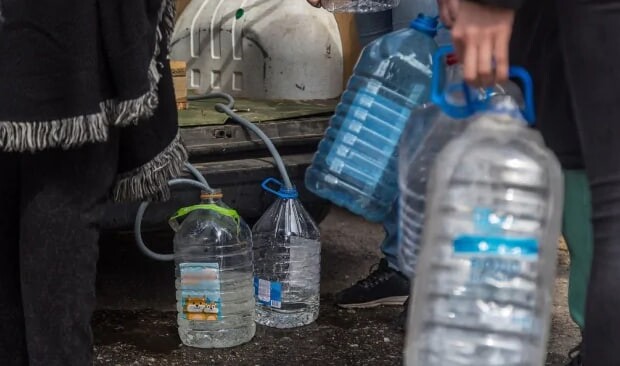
<point>71,70</point>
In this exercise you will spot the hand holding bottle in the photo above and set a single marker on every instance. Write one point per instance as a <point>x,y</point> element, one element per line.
<point>481,35</point>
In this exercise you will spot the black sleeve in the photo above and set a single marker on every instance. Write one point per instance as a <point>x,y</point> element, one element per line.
<point>510,4</point>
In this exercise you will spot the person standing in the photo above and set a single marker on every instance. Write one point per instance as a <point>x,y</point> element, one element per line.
<point>87,114</point>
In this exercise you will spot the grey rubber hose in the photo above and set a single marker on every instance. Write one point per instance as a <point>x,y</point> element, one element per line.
<point>144,205</point>
<point>200,181</point>
<point>227,109</point>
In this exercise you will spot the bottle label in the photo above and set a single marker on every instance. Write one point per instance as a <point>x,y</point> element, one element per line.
<point>501,262</point>
<point>200,291</point>
<point>268,293</point>
<point>496,258</point>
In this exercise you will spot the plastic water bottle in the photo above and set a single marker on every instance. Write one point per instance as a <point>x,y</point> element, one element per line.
<point>214,275</point>
<point>359,6</point>
<point>287,262</point>
<point>356,163</point>
<point>483,292</point>
<point>427,133</point>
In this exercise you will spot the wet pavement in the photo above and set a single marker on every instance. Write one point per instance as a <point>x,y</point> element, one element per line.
<point>136,322</point>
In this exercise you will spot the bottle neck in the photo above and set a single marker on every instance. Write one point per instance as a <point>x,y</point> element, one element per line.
<point>425,25</point>
<point>214,197</point>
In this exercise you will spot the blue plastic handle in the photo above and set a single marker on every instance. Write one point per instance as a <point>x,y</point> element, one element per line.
<point>528,111</point>
<point>472,105</point>
<point>438,96</point>
<point>282,191</point>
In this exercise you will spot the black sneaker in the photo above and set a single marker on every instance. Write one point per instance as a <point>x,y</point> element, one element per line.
<point>575,356</point>
<point>383,286</point>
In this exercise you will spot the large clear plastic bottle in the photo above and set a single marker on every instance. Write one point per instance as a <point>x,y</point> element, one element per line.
<point>359,6</point>
<point>214,275</point>
<point>287,263</point>
<point>427,133</point>
<point>484,283</point>
<point>356,163</point>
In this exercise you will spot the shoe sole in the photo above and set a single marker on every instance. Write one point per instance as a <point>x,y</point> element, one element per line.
<point>387,301</point>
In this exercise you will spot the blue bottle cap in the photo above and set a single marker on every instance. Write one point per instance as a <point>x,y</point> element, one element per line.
<point>282,192</point>
<point>425,24</point>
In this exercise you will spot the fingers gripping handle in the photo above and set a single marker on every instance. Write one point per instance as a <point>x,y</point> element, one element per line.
<point>472,104</point>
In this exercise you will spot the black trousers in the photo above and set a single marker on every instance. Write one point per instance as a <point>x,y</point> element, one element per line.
<point>50,206</point>
<point>572,48</point>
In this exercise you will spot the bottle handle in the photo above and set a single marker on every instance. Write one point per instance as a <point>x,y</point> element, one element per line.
<point>528,111</point>
<point>282,192</point>
<point>472,106</point>
<point>438,96</point>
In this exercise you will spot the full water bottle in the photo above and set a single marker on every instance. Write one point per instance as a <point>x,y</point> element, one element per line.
<point>356,163</point>
<point>483,292</point>
<point>359,6</point>
<point>287,262</point>
<point>427,133</point>
<point>214,275</point>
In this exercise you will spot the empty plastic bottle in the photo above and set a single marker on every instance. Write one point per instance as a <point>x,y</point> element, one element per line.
<point>214,275</point>
<point>483,291</point>
<point>427,133</point>
<point>359,6</point>
<point>356,163</point>
<point>287,262</point>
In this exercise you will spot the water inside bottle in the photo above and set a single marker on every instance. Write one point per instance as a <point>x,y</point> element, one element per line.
<point>356,163</point>
<point>286,282</point>
<point>287,265</point>
<point>214,277</point>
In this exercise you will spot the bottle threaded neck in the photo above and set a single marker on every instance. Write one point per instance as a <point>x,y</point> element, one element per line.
<point>215,195</point>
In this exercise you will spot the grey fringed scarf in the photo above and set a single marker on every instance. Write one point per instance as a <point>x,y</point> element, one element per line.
<point>71,70</point>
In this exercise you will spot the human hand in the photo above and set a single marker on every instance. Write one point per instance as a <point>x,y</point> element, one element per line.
<point>315,3</point>
<point>481,34</point>
<point>447,11</point>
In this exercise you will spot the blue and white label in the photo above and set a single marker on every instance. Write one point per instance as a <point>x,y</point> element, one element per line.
<point>505,268</point>
<point>496,258</point>
<point>268,293</point>
<point>501,263</point>
<point>524,248</point>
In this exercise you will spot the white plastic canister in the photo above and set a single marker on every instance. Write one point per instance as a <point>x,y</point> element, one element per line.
<point>260,49</point>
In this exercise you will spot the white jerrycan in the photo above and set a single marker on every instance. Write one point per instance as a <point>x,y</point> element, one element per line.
<point>260,49</point>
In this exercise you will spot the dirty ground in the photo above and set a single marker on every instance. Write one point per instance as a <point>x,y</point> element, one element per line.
<point>136,324</point>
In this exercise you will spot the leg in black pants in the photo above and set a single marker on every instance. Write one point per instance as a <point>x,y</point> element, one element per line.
<point>579,113</point>
<point>589,32</point>
<point>12,330</point>
<point>60,205</point>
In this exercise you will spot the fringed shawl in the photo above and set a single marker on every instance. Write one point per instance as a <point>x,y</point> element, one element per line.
<point>71,70</point>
